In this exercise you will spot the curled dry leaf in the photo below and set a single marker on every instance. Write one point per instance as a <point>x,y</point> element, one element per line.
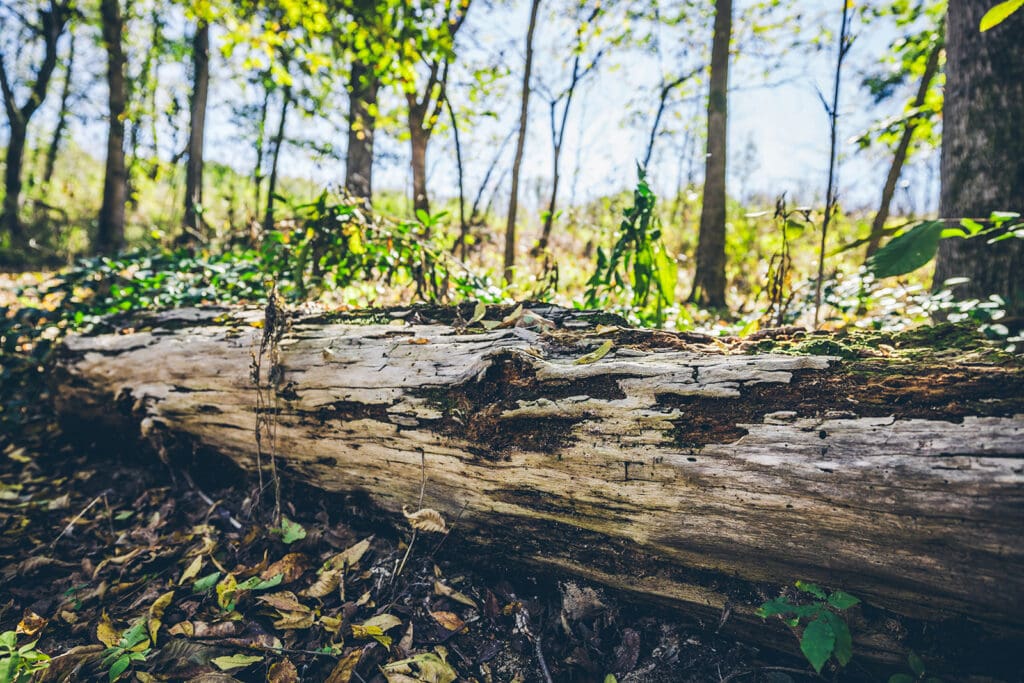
<point>30,624</point>
<point>450,620</point>
<point>343,670</point>
<point>156,613</point>
<point>283,672</point>
<point>349,556</point>
<point>595,355</point>
<point>192,571</point>
<point>290,567</point>
<point>425,519</point>
<point>325,584</point>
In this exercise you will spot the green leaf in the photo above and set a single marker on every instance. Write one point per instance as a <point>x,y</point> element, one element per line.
<point>999,13</point>
<point>907,252</point>
<point>119,667</point>
<point>255,583</point>
<point>235,661</point>
<point>291,531</point>
<point>206,583</point>
<point>775,606</point>
<point>842,600</point>
<point>843,649</point>
<point>817,643</point>
<point>916,664</point>
<point>610,678</point>
<point>134,635</point>
<point>812,588</point>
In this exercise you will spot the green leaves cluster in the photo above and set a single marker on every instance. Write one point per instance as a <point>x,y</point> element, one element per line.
<point>130,648</point>
<point>18,664</point>
<point>916,665</point>
<point>825,633</point>
<point>638,262</point>
<point>917,246</point>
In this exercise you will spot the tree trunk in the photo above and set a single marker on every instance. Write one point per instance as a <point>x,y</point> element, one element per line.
<point>983,150</point>
<point>110,232</point>
<point>460,243</point>
<point>362,97</point>
<point>62,116</point>
<point>52,21</point>
<point>419,137</point>
<point>902,149</point>
<point>517,162</point>
<point>261,136</point>
<point>709,279</point>
<point>268,217</point>
<point>669,468</point>
<point>194,170</point>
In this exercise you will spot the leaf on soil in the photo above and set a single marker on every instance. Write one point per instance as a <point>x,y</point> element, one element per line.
<point>226,590</point>
<point>595,355</point>
<point>283,672</point>
<point>291,567</point>
<point>449,592</point>
<point>346,666</point>
<point>449,620</point>
<point>106,633</point>
<point>156,613</point>
<point>206,583</point>
<point>427,667</point>
<point>192,571</point>
<point>30,624</point>
<point>325,584</point>
<point>425,519</point>
<point>479,311</point>
<point>235,661</point>
<point>350,556</point>
<point>290,531</point>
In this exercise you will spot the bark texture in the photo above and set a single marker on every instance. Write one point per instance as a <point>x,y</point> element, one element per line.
<point>194,170</point>
<point>983,149</point>
<point>362,94</point>
<point>667,468</point>
<point>709,280</point>
<point>110,228</point>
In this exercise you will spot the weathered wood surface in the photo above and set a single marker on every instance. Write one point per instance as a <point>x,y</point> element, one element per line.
<point>669,468</point>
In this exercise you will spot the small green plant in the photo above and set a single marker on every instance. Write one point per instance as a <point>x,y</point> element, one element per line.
<point>17,664</point>
<point>916,665</point>
<point>127,651</point>
<point>825,633</point>
<point>638,263</point>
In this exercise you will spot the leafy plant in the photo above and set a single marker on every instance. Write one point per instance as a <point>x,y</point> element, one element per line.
<point>916,665</point>
<point>18,664</point>
<point>638,262</point>
<point>917,246</point>
<point>132,647</point>
<point>825,634</point>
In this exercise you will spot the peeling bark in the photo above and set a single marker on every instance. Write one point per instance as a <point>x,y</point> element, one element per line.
<point>670,468</point>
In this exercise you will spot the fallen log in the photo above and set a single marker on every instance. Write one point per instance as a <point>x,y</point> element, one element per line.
<point>699,474</point>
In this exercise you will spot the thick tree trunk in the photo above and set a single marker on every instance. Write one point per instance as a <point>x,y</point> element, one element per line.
<point>362,97</point>
<point>110,234</point>
<point>709,280</point>
<point>668,468</point>
<point>419,137</point>
<point>983,150</point>
<point>194,170</point>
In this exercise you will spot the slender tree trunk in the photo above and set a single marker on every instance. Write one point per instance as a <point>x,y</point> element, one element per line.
<point>62,116</point>
<point>709,280</point>
<point>524,109</point>
<point>419,137</point>
<point>261,136</point>
<point>110,235</point>
<point>362,94</point>
<point>194,170</point>
<point>900,156</point>
<point>983,150</point>
<point>460,243</point>
<point>286,100</point>
<point>52,22</point>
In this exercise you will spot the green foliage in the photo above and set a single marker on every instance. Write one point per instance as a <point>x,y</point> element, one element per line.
<point>999,13</point>
<point>919,674</point>
<point>129,649</point>
<point>825,634</point>
<point>917,246</point>
<point>18,664</point>
<point>638,262</point>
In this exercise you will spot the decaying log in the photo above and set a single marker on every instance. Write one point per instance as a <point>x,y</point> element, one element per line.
<point>674,467</point>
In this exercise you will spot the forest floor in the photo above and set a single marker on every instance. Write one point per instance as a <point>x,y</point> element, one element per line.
<point>119,566</point>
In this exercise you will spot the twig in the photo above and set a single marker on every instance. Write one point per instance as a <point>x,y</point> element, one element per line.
<point>71,524</point>
<point>523,624</point>
<point>209,501</point>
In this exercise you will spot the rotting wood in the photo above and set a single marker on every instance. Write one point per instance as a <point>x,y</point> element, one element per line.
<point>678,470</point>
